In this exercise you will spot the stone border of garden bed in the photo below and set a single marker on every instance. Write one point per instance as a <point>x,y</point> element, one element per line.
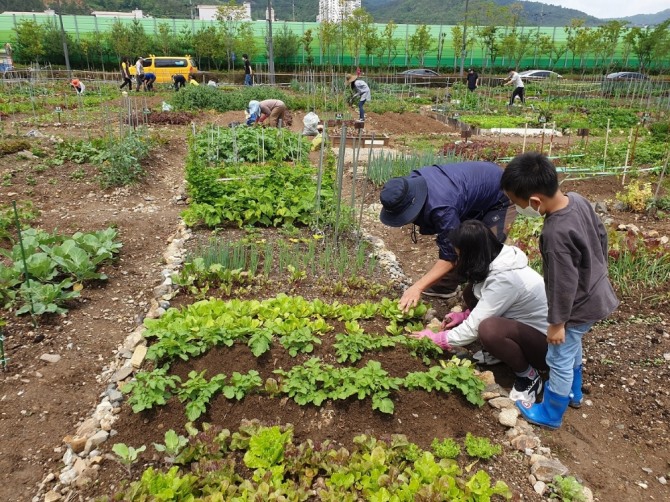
<point>82,459</point>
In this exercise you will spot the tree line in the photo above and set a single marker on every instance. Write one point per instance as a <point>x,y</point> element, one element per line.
<point>494,37</point>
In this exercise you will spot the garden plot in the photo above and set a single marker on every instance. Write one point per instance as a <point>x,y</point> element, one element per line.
<point>333,367</point>
<point>625,430</point>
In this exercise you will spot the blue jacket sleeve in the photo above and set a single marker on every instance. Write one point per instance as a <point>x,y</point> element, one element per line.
<point>445,220</point>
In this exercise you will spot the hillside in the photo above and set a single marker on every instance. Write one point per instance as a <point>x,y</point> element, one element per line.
<point>451,12</point>
<point>400,11</point>
<point>647,19</point>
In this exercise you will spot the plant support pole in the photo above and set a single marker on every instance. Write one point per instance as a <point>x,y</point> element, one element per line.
<point>607,138</point>
<point>625,164</point>
<point>25,266</point>
<point>3,359</point>
<point>660,179</point>
<point>340,177</point>
<point>365,185</point>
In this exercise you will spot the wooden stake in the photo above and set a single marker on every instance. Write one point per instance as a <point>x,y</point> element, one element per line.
<point>607,138</point>
<point>625,164</point>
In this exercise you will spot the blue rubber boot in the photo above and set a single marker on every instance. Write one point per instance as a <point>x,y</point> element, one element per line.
<point>549,413</point>
<point>576,396</point>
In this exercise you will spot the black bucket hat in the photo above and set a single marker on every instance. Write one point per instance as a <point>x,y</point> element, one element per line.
<point>403,199</point>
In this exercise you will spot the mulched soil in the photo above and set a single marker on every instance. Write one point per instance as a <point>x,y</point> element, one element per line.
<point>607,443</point>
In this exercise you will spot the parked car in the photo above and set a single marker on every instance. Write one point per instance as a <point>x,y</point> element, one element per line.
<point>628,82</point>
<point>164,67</point>
<point>626,75</point>
<point>420,72</point>
<point>539,75</point>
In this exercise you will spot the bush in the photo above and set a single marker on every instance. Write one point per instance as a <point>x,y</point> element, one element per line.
<point>204,97</point>
<point>638,196</point>
<point>121,160</point>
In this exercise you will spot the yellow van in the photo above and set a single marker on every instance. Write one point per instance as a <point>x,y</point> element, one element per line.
<point>166,66</point>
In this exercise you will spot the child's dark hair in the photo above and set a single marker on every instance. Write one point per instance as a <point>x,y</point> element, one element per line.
<point>528,174</point>
<point>477,247</point>
<point>245,56</point>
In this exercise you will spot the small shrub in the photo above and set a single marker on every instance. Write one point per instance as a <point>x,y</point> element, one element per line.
<point>637,197</point>
<point>10,146</point>
<point>121,160</point>
<point>566,489</point>
<point>480,447</point>
<point>448,448</point>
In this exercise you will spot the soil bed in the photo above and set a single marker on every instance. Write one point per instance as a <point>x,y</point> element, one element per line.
<point>606,444</point>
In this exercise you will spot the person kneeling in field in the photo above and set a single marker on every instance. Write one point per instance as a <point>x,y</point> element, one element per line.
<point>507,307</point>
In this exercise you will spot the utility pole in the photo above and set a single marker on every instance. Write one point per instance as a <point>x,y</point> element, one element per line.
<point>271,58</point>
<point>64,40</point>
<point>465,37</point>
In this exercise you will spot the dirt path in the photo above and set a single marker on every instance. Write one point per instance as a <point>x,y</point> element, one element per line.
<point>42,402</point>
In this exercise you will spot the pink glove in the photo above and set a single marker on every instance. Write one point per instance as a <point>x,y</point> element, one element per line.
<point>453,319</point>
<point>441,338</point>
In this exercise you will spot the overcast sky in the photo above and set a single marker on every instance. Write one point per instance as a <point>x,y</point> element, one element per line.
<point>613,8</point>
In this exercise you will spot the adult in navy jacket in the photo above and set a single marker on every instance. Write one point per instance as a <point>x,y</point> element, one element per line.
<point>437,199</point>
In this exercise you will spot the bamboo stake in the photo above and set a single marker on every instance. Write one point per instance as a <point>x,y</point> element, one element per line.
<point>660,181</point>
<point>525,135</point>
<point>607,138</point>
<point>625,164</point>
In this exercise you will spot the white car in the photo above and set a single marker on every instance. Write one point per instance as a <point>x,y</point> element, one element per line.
<point>539,75</point>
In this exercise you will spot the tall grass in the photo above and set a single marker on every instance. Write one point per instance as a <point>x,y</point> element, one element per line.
<point>383,165</point>
<point>316,257</point>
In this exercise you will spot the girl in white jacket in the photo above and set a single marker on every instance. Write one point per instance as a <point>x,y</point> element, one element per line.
<point>507,307</point>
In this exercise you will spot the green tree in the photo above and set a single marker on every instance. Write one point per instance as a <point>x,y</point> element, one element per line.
<point>608,36</point>
<point>579,40</point>
<point>661,50</point>
<point>245,41</point>
<point>356,27</point>
<point>207,44</point>
<point>286,44</point>
<point>650,44</point>
<point>28,42</point>
<point>440,49</point>
<point>628,40</point>
<point>165,39</point>
<point>118,39</point>
<point>139,40</point>
<point>371,43</point>
<point>306,42</point>
<point>515,45</point>
<point>229,17</point>
<point>53,43</point>
<point>488,37</point>
<point>328,36</point>
<point>185,40</point>
<point>456,42</point>
<point>421,42</point>
<point>388,45</point>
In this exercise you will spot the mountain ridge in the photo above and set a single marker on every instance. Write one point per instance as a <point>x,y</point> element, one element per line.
<point>400,11</point>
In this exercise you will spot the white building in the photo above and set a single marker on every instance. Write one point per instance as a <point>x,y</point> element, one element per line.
<point>48,12</point>
<point>136,14</point>
<point>236,13</point>
<point>336,10</point>
<point>274,18</point>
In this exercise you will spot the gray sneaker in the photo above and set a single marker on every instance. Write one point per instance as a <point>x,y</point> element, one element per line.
<point>441,292</point>
<point>526,389</point>
<point>485,359</point>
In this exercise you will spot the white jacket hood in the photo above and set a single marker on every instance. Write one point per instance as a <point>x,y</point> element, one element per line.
<point>510,258</point>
